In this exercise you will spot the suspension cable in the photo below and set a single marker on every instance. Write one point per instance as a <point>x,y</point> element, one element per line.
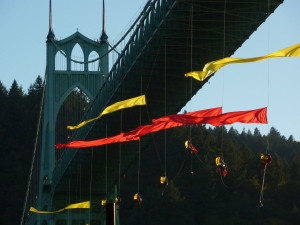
<point>113,47</point>
<point>35,146</point>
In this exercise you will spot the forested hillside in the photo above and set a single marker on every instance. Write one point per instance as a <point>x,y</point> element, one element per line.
<point>200,197</point>
<point>19,115</point>
<point>205,197</point>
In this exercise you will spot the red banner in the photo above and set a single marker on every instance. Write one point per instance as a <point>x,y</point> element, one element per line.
<point>210,116</point>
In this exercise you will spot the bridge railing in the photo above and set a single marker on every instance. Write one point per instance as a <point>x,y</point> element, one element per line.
<point>155,14</point>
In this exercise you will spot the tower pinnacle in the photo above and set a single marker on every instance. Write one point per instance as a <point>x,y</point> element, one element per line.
<point>50,33</point>
<point>104,36</point>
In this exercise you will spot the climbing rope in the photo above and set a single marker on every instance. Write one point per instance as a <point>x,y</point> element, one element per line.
<point>261,197</point>
<point>181,166</point>
<point>165,71</point>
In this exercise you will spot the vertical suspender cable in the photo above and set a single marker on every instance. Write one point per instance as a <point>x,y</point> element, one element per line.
<point>80,188</point>
<point>261,197</point>
<point>91,185</point>
<point>139,166</point>
<point>268,90</point>
<point>69,202</point>
<point>165,109</point>
<point>120,153</point>
<point>106,164</point>
<point>224,44</point>
<point>191,69</point>
<point>224,49</point>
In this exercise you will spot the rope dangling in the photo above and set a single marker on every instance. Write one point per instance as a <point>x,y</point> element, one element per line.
<point>265,159</point>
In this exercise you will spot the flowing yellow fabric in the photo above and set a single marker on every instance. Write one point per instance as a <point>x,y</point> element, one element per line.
<point>212,67</point>
<point>140,100</point>
<point>80,205</point>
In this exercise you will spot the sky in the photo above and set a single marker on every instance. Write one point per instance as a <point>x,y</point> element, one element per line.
<point>273,83</point>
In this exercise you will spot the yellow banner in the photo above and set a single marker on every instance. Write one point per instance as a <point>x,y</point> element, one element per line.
<point>140,100</point>
<point>80,205</point>
<point>212,67</point>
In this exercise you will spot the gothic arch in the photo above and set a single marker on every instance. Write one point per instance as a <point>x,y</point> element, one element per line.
<point>70,89</point>
<point>93,66</point>
<point>78,55</point>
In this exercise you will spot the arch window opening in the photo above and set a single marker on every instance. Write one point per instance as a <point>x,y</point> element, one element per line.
<point>94,66</point>
<point>77,54</point>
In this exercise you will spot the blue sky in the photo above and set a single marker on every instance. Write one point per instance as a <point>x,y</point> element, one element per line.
<point>273,83</point>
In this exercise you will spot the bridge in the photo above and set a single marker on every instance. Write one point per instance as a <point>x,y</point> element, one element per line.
<point>168,39</point>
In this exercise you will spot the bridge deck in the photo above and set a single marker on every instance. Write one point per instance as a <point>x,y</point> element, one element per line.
<point>163,39</point>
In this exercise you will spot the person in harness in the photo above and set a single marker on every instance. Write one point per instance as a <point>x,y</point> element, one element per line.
<point>190,147</point>
<point>138,199</point>
<point>118,200</point>
<point>221,166</point>
<point>265,159</point>
<point>164,184</point>
<point>192,150</point>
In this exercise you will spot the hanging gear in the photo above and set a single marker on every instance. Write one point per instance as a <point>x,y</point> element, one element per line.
<point>103,202</point>
<point>118,201</point>
<point>190,147</point>
<point>164,184</point>
<point>138,199</point>
<point>221,166</point>
<point>265,159</point>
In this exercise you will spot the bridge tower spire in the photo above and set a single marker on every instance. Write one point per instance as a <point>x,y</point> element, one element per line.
<point>104,36</point>
<point>50,33</point>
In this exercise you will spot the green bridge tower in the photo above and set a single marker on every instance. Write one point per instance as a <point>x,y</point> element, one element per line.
<point>64,75</point>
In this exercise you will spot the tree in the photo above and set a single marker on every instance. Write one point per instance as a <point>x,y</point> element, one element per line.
<point>36,88</point>
<point>15,91</point>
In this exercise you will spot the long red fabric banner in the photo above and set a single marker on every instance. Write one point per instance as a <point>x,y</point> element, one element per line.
<point>210,116</point>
